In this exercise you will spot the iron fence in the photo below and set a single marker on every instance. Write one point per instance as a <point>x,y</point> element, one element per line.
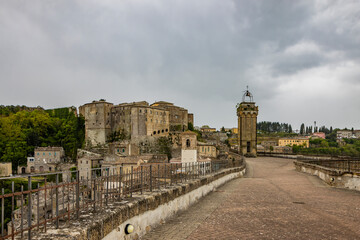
<point>53,199</point>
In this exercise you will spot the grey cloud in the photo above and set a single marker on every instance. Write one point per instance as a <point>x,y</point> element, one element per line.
<point>200,55</point>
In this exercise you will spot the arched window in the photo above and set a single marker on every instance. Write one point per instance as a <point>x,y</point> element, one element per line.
<point>187,142</point>
<point>158,131</point>
<point>32,169</point>
<point>154,132</point>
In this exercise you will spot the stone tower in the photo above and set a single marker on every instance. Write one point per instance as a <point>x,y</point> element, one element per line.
<point>247,118</point>
<point>188,147</point>
<point>97,121</point>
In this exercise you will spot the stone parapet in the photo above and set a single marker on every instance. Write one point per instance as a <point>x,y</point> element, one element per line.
<point>143,211</point>
<point>331,176</point>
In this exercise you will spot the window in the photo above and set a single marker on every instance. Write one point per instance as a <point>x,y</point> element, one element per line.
<point>38,154</point>
<point>55,154</point>
<point>123,150</point>
<point>140,111</point>
<point>154,132</point>
<point>162,131</point>
<point>43,154</point>
<point>49,154</point>
<point>118,150</point>
<point>49,168</point>
<point>187,142</point>
<point>158,131</point>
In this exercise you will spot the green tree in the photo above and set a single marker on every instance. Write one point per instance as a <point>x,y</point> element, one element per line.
<point>302,129</point>
<point>165,144</point>
<point>22,131</point>
<point>190,126</point>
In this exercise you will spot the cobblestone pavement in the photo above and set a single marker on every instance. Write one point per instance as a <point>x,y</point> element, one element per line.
<point>273,201</point>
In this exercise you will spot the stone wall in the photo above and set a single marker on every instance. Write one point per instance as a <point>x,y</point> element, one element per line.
<point>304,157</point>
<point>144,212</point>
<point>5,169</point>
<point>333,177</point>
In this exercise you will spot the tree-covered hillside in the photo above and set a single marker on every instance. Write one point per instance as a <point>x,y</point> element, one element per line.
<point>26,129</point>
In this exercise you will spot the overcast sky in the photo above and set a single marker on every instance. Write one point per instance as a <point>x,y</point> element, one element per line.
<point>300,59</point>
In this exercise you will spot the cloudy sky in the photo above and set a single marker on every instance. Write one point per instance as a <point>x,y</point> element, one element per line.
<point>300,59</point>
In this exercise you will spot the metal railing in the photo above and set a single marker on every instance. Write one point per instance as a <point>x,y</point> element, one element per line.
<point>54,199</point>
<point>350,166</point>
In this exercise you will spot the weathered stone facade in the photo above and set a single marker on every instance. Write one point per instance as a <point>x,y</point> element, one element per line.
<point>46,159</point>
<point>247,118</point>
<point>5,169</point>
<point>49,154</point>
<point>178,116</point>
<point>191,118</point>
<point>207,150</point>
<point>97,121</point>
<point>188,147</point>
<point>132,120</point>
<point>124,148</point>
<point>85,166</point>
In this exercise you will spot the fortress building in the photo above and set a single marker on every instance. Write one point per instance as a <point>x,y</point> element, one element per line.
<point>247,117</point>
<point>131,120</point>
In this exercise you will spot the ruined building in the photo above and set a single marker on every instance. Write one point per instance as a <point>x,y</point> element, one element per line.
<point>131,120</point>
<point>247,117</point>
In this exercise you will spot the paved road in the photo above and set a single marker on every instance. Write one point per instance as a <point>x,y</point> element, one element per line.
<point>273,201</point>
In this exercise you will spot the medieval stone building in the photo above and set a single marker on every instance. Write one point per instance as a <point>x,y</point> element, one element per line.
<point>131,120</point>
<point>46,159</point>
<point>247,118</point>
<point>178,116</point>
